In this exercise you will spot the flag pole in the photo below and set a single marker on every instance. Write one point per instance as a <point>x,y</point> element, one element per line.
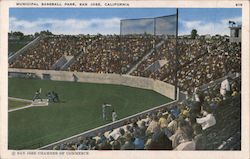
<point>176,55</point>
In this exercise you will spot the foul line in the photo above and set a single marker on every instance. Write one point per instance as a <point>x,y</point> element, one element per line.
<point>24,107</point>
<point>28,106</point>
<point>20,99</point>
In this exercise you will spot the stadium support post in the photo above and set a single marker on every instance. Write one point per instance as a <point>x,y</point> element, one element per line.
<point>176,55</point>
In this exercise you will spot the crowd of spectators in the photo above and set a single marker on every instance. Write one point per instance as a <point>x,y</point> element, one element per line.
<point>164,52</point>
<point>181,127</point>
<point>188,50</point>
<point>114,54</point>
<point>199,60</point>
<point>220,60</point>
<point>102,54</point>
<point>49,49</point>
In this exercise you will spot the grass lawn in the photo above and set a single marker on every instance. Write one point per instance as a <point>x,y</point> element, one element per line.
<point>78,111</point>
<point>17,104</point>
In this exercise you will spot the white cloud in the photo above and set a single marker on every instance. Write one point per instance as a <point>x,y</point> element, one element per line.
<point>67,26</point>
<point>109,26</point>
<point>203,27</point>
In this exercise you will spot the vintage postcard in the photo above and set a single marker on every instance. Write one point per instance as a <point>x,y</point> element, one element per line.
<point>124,79</point>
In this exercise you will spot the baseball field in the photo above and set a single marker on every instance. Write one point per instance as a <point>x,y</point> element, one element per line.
<point>79,109</point>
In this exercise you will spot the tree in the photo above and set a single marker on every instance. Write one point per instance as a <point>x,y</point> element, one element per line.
<point>194,34</point>
<point>47,32</point>
<point>36,34</point>
<point>17,33</point>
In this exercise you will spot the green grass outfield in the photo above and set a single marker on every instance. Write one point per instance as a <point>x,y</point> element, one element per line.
<point>80,109</point>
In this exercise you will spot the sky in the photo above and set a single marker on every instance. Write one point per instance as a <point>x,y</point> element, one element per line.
<point>107,20</point>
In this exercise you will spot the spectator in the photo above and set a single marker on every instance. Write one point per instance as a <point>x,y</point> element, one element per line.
<point>128,145</point>
<point>183,133</point>
<point>139,140</point>
<point>116,145</point>
<point>183,138</point>
<point>207,120</point>
<point>82,146</point>
<point>153,126</point>
<point>224,88</point>
<point>163,122</point>
<point>160,141</point>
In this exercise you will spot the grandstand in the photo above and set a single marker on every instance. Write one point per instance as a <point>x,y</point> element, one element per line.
<point>143,59</point>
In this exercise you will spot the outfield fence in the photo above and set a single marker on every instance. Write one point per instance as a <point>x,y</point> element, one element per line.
<point>163,88</point>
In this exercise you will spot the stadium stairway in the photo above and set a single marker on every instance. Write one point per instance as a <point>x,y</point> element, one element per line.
<point>226,134</point>
<point>145,57</point>
<point>63,63</point>
<point>67,65</point>
<point>22,50</point>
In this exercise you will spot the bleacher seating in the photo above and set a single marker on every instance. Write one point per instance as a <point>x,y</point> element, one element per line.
<point>114,54</point>
<point>49,49</point>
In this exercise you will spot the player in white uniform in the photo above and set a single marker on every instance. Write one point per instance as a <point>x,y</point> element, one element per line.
<point>114,115</point>
<point>104,111</point>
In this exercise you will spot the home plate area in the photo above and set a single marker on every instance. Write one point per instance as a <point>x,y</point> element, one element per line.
<point>39,102</point>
